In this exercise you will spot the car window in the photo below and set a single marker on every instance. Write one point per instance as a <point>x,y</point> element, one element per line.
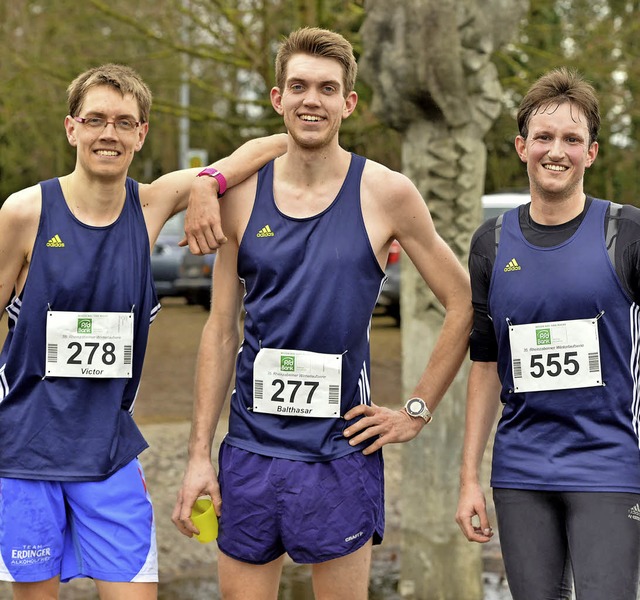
<point>175,225</point>
<point>494,205</point>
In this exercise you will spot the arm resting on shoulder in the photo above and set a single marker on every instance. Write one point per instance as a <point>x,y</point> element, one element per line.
<point>203,227</point>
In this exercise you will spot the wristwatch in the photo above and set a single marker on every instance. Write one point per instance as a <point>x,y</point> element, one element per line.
<point>417,407</point>
<point>219,177</point>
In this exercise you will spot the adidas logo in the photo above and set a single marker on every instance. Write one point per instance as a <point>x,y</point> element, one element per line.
<point>512,265</point>
<point>634,512</point>
<point>55,242</point>
<point>265,232</point>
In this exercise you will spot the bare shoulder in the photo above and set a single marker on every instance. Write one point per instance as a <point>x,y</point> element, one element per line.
<point>388,184</point>
<point>19,220</point>
<point>393,208</point>
<point>390,199</point>
<point>22,207</point>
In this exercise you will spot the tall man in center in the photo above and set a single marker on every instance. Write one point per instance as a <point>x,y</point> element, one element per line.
<point>300,470</point>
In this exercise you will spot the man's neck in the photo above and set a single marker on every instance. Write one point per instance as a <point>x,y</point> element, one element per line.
<point>552,210</point>
<point>93,201</point>
<point>306,182</point>
<point>304,167</point>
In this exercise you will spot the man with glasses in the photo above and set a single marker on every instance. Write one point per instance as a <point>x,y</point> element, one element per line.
<point>75,279</point>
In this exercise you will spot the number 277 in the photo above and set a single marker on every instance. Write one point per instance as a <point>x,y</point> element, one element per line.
<point>293,387</point>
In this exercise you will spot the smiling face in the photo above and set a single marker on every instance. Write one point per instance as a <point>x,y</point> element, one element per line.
<point>105,152</point>
<point>557,151</point>
<point>313,102</point>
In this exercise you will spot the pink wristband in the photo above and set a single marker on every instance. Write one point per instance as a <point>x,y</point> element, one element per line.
<point>211,172</point>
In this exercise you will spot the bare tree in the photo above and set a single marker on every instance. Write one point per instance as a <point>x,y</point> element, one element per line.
<point>429,64</point>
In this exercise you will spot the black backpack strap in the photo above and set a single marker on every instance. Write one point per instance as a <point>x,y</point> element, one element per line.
<point>497,231</point>
<point>611,235</point>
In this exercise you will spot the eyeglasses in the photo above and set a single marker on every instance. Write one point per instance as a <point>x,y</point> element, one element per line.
<point>121,125</point>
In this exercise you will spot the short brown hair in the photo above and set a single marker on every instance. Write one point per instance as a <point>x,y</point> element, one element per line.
<point>120,77</point>
<point>556,87</point>
<point>317,42</point>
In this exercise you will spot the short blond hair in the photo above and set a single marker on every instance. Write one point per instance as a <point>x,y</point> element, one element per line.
<point>317,42</point>
<point>120,77</point>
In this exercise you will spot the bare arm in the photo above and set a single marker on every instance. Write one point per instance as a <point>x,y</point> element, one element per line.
<point>19,218</point>
<point>202,222</point>
<point>216,358</point>
<point>172,193</point>
<point>448,280</point>
<point>404,216</point>
<point>483,401</point>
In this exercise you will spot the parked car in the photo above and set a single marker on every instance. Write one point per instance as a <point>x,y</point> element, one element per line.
<point>167,255</point>
<point>389,300</point>
<point>194,278</point>
<point>495,204</point>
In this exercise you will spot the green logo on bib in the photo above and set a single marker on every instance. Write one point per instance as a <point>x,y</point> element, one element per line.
<point>543,336</point>
<point>84,325</point>
<point>287,363</point>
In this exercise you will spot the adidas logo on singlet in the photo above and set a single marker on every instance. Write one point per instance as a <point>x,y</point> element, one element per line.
<point>55,242</point>
<point>634,512</point>
<point>512,265</point>
<point>265,232</point>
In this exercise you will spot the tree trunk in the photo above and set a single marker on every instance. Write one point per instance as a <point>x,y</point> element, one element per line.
<point>428,62</point>
<point>437,562</point>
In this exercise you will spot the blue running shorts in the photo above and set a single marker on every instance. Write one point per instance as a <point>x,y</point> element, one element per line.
<point>99,529</point>
<point>314,512</point>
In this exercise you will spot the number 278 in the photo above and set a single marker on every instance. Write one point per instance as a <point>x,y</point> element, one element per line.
<point>107,355</point>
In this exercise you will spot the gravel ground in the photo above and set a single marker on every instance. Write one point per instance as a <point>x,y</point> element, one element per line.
<point>183,559</point>
<point>178,555</point>
<point>187,568</point>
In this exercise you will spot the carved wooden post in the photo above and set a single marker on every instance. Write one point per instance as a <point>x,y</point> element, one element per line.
<point>428,62</point>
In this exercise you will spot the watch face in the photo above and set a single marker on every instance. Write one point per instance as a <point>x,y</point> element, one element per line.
<point>415,406</point>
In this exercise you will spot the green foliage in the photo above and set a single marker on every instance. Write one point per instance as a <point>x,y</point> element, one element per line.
<point>45,45</point>
<point>224,49</point>
<point>600,39</point>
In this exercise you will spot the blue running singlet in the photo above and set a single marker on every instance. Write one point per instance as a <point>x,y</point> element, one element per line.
<point>74,428</point>
<point>311,284</point>
<point>582,438</point>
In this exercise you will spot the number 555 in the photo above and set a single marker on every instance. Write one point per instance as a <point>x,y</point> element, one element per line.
<point>554,366</point>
